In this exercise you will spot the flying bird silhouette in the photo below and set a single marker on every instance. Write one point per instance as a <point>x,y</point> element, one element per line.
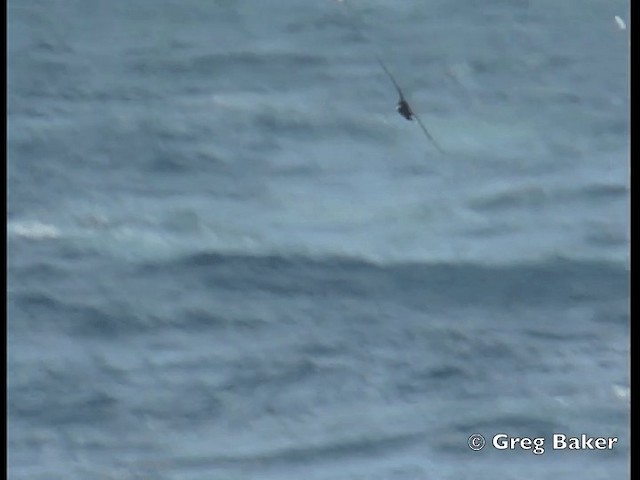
<point>404,109</point>
<point>403,106</point>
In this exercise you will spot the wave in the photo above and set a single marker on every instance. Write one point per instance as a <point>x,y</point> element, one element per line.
<point>532,196</point>
<point>330,452</point>
<point>553,280</point>
<point>208,292</point>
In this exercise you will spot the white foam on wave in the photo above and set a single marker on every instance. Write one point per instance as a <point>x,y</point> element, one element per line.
<point>33,230</point>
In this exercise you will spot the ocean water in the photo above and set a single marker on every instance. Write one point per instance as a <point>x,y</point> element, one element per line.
<point>230,258</point>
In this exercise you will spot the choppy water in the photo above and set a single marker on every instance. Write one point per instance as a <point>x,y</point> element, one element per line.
<point>229,258</point>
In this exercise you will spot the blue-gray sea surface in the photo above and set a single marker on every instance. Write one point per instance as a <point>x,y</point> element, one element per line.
<point>230,258</point>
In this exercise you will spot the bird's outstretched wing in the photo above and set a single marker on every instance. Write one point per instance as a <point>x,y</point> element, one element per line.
<point>391,77</point>
<point>426,132</point>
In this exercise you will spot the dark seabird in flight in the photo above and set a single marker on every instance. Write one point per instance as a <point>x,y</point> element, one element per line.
<point>404,109</point>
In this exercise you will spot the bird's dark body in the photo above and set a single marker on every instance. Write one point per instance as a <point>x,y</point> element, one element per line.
<point>404,109</point>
